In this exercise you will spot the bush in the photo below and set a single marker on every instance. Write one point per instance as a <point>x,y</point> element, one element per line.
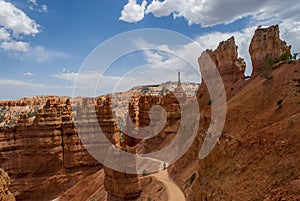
<point>284,57</point>
<point>192,178</point>
<point>145,173</point>
<point>279,103</point>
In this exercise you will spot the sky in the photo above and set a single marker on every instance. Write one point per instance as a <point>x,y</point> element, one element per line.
<point>45,46</point>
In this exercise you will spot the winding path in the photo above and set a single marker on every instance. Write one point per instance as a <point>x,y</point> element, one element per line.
<point>174,192</point>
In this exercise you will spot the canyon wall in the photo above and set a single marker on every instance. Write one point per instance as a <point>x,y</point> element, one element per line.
<point>40,148</point>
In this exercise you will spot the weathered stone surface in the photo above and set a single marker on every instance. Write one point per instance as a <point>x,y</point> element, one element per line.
<point>226,59</point>
<point>40,149</point>
<point>266,44</point>
<point>5,194</point>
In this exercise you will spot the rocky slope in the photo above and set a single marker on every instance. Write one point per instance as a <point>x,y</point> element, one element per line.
<point>257,158</point>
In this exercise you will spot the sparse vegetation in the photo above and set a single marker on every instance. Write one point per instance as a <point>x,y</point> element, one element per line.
<point>279,103</point>
<point>149,198</point>
<point>192,178</point>
<point>292,123</point>
<point>266,72</point>
<point>145,173</point>
<point>31,114</point>
<point>285,57</point>
<point>209,102</point>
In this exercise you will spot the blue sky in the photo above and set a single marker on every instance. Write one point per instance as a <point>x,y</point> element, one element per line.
<point>44,43</point>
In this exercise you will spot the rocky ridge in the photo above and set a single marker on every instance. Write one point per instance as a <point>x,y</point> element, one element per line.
<point>266,45</point>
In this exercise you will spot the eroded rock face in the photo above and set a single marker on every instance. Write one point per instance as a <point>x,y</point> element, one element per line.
<point>226,59</point>
<point>266,44</point>
<point>230,69</point>
<point>5,194</point>
<point>40,148</point>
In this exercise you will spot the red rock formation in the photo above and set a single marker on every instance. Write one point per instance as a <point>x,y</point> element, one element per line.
<point>122,186</point>
<point>5,194</point>
<point>40,148</point>
<point>226,59</point>
<point>266,44</point>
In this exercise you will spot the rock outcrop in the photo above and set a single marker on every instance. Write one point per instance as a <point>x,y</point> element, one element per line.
<point>226,59</point>
<point>40,148</point>
<point>5,194</point>
<point>230,67</point>
<point>266,44</point>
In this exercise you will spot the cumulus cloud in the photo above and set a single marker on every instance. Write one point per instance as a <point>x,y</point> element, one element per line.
<point>18,46</point>
<point>210,13</point>
<point>12,18</point>
<point>242,39</point>
<point>133,12</point>
<point>4,34</point>
<point>14,24</point>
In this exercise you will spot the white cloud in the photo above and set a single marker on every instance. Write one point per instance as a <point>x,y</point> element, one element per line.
<point>133,12</point>
<point>34,6</point>
<point>40,55</point>
<point>33,2</point>
<point>68,76</point>
<point>20,89</point>
<point>4,34</point>
<point>28,74</point>
<point>86,82</point>
<point>44,8</point>
<point>18,46</point>
<point>242,40</point>
<point>12,18</point>
<point>210,13</point>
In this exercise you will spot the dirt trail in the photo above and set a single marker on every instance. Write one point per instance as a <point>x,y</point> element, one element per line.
<point>174,192</point>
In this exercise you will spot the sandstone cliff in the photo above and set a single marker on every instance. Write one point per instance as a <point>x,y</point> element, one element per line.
<point>266,44</point>
<point>40,148</point>
<point>226,59</point>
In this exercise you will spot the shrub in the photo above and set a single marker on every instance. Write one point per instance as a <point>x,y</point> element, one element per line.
<point>279,103</point>
<point>145,173</point>
<point>192,178</point>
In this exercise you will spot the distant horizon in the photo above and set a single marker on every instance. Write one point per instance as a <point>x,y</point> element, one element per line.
<point>99,95</point>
